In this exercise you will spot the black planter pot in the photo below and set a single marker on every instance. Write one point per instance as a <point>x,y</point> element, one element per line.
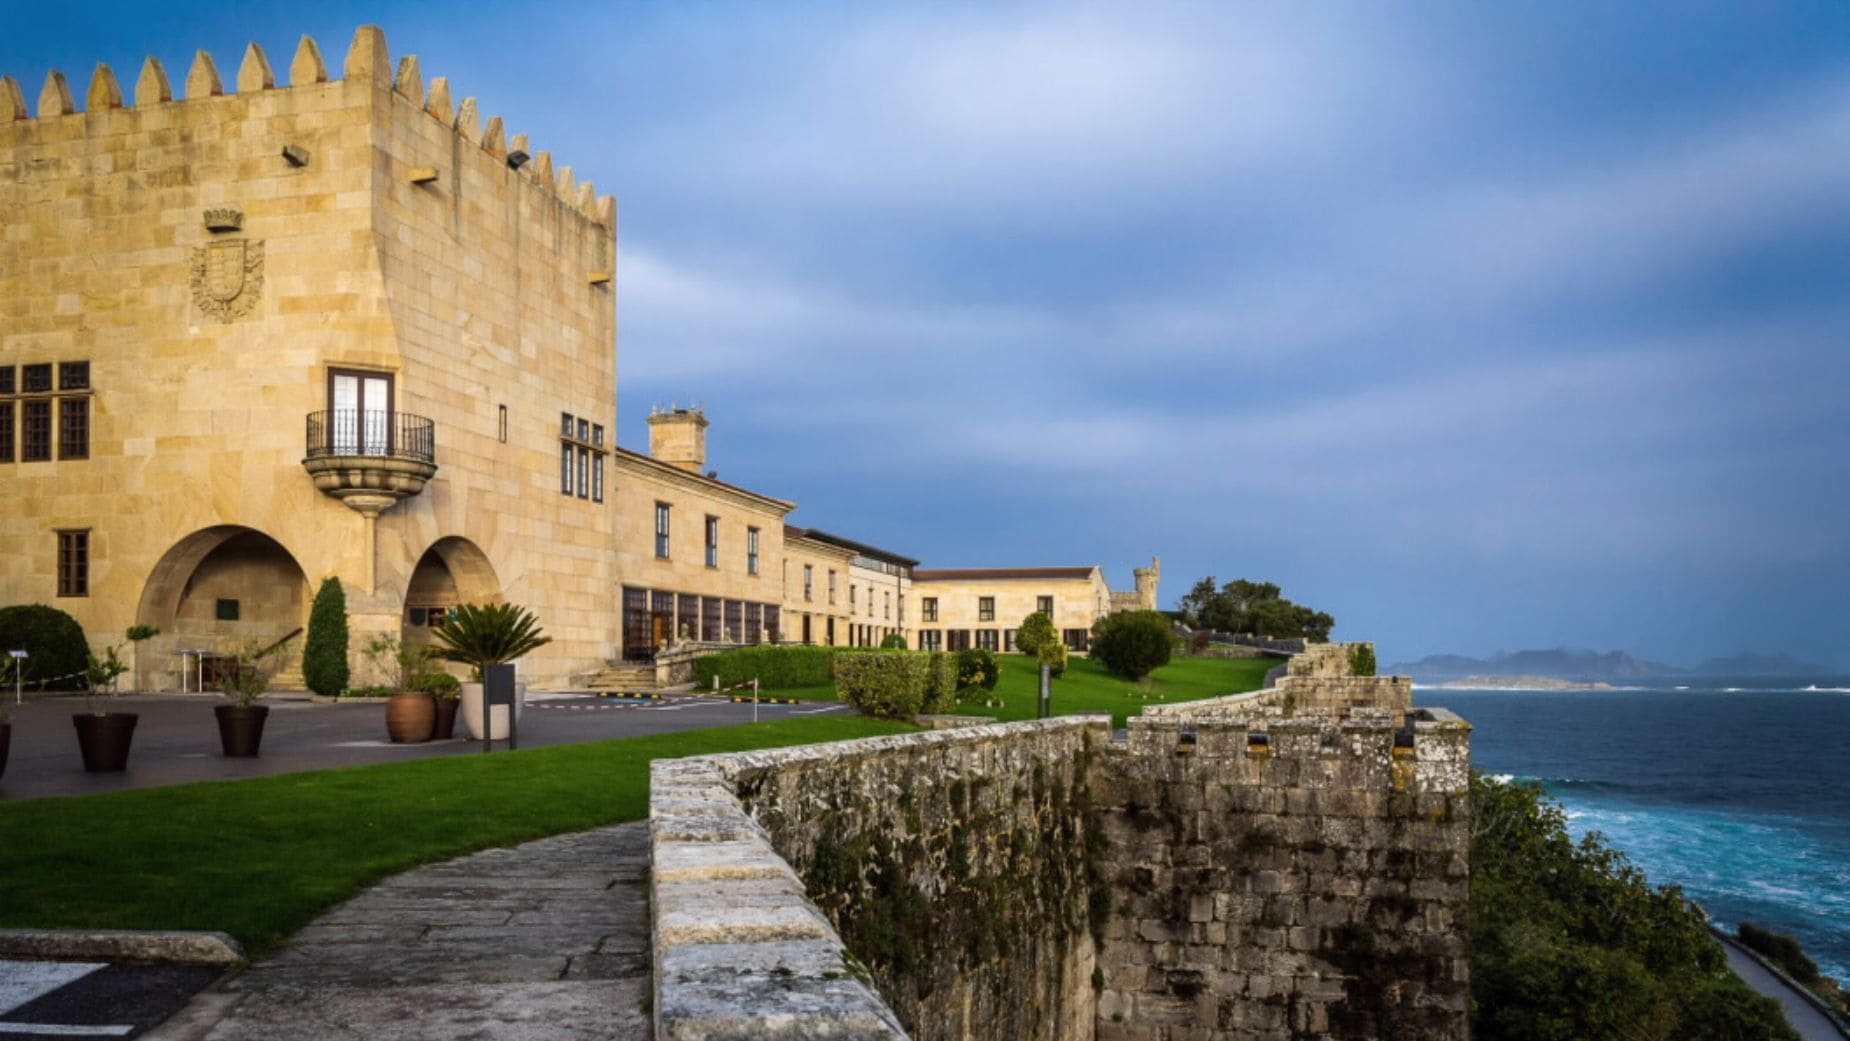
<point>6,739</point>
<point>240,728</point>
<point>446,719</point>
<point>104,739</point>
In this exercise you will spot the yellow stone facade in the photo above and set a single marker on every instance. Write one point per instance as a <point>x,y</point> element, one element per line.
<point>982,607</point>
<point>811,568</point>
<point>218,261</point>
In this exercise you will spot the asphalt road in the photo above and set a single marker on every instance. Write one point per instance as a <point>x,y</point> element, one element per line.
<point>176,740</point>
<point>92,999</point>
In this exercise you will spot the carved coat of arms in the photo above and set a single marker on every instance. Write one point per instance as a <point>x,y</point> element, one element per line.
<point>227,277</point>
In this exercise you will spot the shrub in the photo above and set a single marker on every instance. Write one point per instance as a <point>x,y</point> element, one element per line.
<point>1132,643</point>
<point>59,655</point>
<point>480,635</point>
<point>1781,950</point>
<point>893,642</point>
<point>1035,633</point>
<point>892,686</point>
<point>977,668</point>
<point>1362,659</point>
<point>940,682</point>
<point>1198,642</point>
<point>775,668</point>
<point>324,652</point>
<point>1053,655</point>
<point>1569,941</point>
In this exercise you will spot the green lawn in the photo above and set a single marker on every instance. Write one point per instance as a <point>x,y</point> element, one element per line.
<point>260,858</point>
<point>1089,687</point>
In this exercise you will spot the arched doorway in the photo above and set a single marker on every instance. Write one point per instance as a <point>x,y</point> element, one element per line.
<point>216,590</point>
<point>452,571</point>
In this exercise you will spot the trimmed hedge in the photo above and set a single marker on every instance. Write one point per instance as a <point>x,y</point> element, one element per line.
<point>891,686</point>
<point>59,653</point>
<point>775,668</point>
<point>940,681</point>
<point>977,668</point>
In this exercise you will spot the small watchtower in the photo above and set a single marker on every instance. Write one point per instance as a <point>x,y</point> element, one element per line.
<point>678,436</point>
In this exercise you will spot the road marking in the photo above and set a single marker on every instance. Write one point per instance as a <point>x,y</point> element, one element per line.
<point>24,981</point>
<point>58,1030</point>
<point>818,711</point>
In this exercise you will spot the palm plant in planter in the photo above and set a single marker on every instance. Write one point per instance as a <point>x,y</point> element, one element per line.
<point>482,635</point>
<point>103,738</point>
<point>243,680</point>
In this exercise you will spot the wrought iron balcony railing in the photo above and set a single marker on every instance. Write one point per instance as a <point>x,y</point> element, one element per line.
<point>353,432</point>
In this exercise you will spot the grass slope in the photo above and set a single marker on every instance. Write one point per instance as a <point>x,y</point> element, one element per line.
<point>1089,687</point>
<point>260,858</point>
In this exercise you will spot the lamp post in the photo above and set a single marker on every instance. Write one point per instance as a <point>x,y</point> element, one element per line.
<point>19,676</point>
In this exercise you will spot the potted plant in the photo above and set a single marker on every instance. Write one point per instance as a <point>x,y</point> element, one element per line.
<point>482,635</point>
<point>410,713</point>
<point>243,680</point>
<point>446,693</point>
<point>103,738</point>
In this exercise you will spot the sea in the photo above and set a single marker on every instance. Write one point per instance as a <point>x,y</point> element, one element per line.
<point>1737,790</point>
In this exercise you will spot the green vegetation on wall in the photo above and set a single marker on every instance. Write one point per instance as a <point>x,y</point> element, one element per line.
<point>1362,659</point>
<point>324,651</point>
<point>1569,941</point>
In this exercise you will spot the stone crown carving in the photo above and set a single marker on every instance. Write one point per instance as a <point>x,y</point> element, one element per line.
<point>225,219</point>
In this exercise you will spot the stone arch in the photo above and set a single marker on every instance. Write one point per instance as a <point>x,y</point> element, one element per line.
<point>452,571</point>
<point>217,587</point>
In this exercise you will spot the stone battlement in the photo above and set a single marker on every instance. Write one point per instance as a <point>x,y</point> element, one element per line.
<point>1251,867</point>
<point>367,62</point>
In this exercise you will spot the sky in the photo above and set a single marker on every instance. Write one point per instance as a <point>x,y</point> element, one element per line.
<point>1480,326</point>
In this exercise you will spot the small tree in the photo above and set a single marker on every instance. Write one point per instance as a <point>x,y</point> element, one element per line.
<point>893,642</point>
<point>977,668</point>
<point>1132,643</point>
<point>324,653</point>
<point>1362,659</point>
<point>1035,633</point>
<point>1053,655</point>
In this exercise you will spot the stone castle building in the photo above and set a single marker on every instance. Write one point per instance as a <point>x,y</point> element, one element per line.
<point>253,335</point>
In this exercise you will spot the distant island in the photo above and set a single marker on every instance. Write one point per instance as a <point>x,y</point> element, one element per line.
<point>1562,663</point>
<point>1519,683</point>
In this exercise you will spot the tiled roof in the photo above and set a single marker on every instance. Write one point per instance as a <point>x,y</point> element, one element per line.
<point>991,573</point>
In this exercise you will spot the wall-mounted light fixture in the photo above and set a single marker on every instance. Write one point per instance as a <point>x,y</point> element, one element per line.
<point>517,159</point>
<point>296,154</point>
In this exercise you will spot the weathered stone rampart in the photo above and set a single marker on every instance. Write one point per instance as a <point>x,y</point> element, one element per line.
<point>1236,868</point>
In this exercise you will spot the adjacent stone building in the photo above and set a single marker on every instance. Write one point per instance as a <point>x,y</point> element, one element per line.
<point>961,608</point>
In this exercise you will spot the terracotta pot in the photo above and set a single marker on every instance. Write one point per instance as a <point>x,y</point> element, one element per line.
<point>104,739</point>
<point>410,717</point>
<point>472,711</point>
<point>6,738</point>
<point>446,718</point>
<point>240,728</point>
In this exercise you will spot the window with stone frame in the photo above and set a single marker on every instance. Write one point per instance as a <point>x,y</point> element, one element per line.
<point>7,448</point>
<point>809,582</point>
<point>985,608</point>
<point>74,562</point>
<point>751,551</point>
<point>928,609</point>
<point>35,430</point>
<point>1044,604</point>
<point>712,541</point>
<point>661,530</point>
<point>73,428</point>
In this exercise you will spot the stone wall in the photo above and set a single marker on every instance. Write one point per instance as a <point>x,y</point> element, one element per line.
<point>1285,877</point>
<point>1240,868</point>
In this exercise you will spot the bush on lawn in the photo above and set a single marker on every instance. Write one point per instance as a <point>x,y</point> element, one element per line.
<point>775,668</point>
<point>58,653</point>
<point>893,642</point>
<point>977,668</point>
<point>1036,632</point>
<point>1132,643</point>
<point>892,686</point>
<point>940,681</point>
<point>324,651</point>
<point>1053,655</point>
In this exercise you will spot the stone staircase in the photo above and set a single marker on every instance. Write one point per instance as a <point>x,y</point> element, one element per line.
<point>623,675</point>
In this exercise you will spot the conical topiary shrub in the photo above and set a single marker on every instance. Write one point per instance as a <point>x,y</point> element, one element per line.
<point>324,653</point>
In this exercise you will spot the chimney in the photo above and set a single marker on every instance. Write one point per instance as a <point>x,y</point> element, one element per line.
<point>678,437</point>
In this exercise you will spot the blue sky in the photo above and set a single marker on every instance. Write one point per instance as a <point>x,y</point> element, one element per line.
<point>1480,326</point>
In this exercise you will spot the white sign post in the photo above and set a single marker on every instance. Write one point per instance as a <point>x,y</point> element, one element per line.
<point>19,677</point>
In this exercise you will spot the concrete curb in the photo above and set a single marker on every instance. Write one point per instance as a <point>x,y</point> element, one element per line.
<point>177,948</point>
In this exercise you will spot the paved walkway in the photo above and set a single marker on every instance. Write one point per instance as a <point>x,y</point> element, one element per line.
<point>546,940</point>
<point>1805,1018</point>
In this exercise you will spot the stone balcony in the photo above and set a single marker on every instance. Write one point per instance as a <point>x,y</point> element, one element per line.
<point>370,459</point>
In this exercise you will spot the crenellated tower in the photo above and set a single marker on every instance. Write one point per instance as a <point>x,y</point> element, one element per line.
<point>257,335</point>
